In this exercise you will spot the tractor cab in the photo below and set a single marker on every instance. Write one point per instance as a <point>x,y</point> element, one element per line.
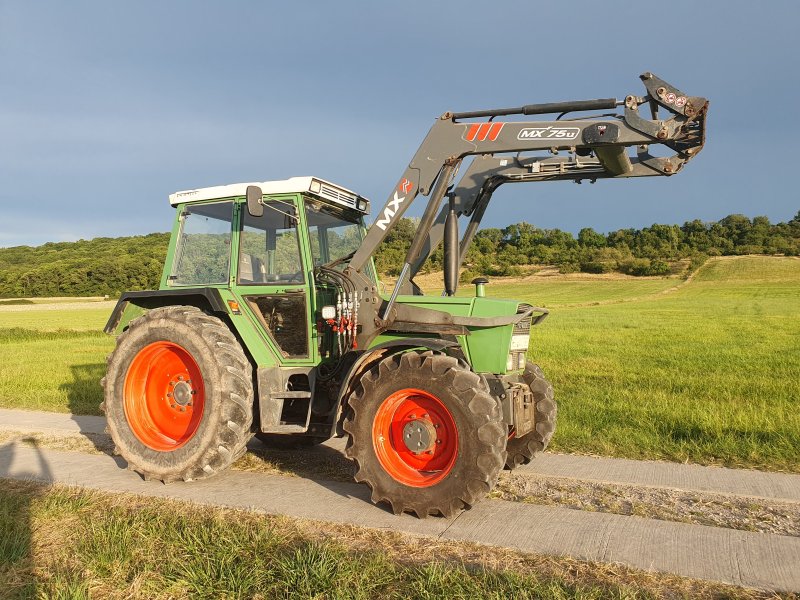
<point>261,243</point>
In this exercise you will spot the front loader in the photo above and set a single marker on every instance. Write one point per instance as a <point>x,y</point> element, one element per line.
<point>270,318</point>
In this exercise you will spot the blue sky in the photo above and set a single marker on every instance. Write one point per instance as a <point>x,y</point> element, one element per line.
<point>107,107</point>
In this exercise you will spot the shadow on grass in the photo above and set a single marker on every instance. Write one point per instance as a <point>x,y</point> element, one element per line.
<point>16,557</point>
<point>84,395</point>
<point>692,433</point>
<point>318,462</point>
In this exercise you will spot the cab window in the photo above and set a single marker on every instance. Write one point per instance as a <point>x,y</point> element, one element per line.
<point>269,248</point>
<point>203,249</point>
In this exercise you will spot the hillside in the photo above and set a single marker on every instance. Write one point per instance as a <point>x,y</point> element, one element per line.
<point>84,268</point>
<point>109,266</point>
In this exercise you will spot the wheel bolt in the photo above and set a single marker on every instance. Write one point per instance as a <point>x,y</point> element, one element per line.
<point>188,404</point>
<point>429,452</point>
<point>412,416</point>
<point>426,416</point>
<point>169,394</point>
<point>438,441</point>
<point>193,392</point>
<point>173,405</point>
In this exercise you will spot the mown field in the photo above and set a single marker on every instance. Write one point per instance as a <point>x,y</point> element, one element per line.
<point>706,372</point>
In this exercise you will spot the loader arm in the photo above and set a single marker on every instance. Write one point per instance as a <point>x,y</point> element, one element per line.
<point>611,145</point>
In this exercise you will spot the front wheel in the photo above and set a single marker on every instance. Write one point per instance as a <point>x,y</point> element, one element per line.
<point>522,450</point>
<point>178,395</point>
<point>425,434</point>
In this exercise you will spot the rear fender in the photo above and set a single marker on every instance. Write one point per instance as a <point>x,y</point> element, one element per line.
<point>134,304</point>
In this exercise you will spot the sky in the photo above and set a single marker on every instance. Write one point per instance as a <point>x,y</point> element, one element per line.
<point>107,107</point>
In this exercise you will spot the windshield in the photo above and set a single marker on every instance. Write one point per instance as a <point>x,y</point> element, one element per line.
<point>334,234</point>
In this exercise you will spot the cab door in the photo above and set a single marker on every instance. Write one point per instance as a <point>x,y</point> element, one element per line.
<point>272,279</point>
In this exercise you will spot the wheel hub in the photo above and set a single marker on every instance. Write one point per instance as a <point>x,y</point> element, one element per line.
<point>419,436</point>
<point>182,393</point>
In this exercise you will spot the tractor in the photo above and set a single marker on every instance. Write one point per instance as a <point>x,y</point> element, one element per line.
<point>270,319</point>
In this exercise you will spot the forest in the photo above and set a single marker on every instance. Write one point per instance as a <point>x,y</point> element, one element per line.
<point>109,266</point>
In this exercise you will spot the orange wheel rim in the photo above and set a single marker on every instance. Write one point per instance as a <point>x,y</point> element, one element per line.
<point>164,396</point>
<point>415,438</point>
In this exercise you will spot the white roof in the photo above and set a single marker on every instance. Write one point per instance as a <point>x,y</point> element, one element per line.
<point>293,185</point>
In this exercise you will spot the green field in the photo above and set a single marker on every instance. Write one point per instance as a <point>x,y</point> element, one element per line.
<point>706,373</point>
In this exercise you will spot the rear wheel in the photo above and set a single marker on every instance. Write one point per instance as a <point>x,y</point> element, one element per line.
<point>522,450</point>
<point>178,395</point>
<point>425,434</point>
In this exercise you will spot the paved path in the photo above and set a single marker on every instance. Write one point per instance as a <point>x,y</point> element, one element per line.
<point>740,482</point>
<point>740,558</point>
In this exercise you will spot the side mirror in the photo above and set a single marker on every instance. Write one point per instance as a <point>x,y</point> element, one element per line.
<point>254,206</point>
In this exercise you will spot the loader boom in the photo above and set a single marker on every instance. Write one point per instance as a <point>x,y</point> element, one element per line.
<point>609,145</point>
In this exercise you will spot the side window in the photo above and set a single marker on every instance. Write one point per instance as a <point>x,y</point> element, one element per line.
<point>269,246</point>
<point>203,250</point>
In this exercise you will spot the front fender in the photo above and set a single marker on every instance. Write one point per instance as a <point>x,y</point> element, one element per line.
<point>369,357</point>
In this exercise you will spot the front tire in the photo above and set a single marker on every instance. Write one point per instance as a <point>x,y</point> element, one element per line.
<point>522,450</point>
<point>425,434</point>
<point>178,395</point>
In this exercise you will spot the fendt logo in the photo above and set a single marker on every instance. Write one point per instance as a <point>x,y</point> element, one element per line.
<point>549,133</point>
<point>393,205</point>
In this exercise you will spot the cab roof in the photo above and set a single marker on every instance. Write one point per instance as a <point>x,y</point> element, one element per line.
<point>314,186</point>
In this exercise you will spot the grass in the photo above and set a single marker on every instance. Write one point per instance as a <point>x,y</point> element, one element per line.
<point>708,372</point>
<point>47,319</point>
<point>55,371</point>
<point>566,291</point>
<point>65,543</point>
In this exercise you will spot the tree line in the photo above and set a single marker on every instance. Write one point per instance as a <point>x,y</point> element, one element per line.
<point>653,250</point>
<point>112,265</point>
<point>84,268</point>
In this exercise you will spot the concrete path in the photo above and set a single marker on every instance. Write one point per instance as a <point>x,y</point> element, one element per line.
<point>747,559</point>
<point>739,482</point>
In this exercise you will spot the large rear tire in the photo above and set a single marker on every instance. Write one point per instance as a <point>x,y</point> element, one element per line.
<point>425,434</point>
<point>178,395</point>
<point>522,450</point>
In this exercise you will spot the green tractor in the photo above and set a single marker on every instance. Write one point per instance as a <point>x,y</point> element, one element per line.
<point>270,319</point>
